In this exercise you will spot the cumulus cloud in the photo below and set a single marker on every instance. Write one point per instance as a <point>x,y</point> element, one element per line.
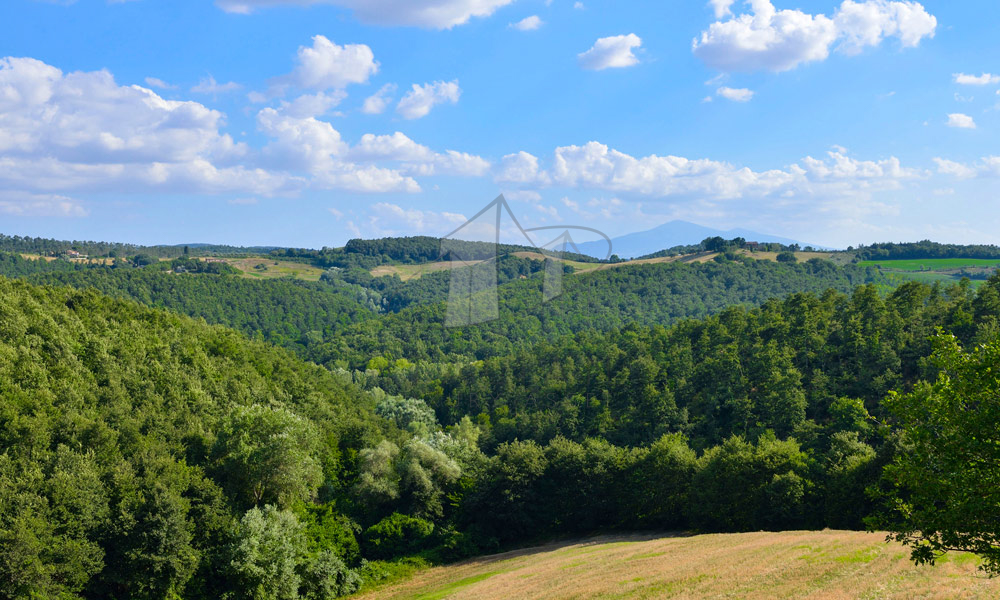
<point>722,8</point>
<point>779,40</point>
<point>521,168</point>
<point>863,24</point>
<point>988,166</point>
<point>955,169</point>
<point>419,101</point>
<point>984,79</point>
<point>961,121</point>
<point>611,52</point>
<point>23,204</point>
<point>433,14</point>
<point>595,166</point>
<point>528,23</point>
<point>379,101</point>
<point>327,66</point>
<point>313,105</point>
<point>82,130</point>
<point>735,94</point>
<point>314,147</point>
<point>416,158</point>
<point>67,133</point>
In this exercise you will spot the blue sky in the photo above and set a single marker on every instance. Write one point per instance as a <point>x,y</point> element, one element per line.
<point>310,122</point>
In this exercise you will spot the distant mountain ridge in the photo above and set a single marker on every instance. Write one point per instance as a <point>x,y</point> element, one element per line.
<point>673,233</point>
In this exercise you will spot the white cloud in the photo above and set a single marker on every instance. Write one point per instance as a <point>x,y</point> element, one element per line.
<point>988,166</point>
<point>434,14</point>
<point>312,105</point>
<point>417,159</point>
<point>325,66</point>
<point>521,168</point>
<point>779,40</point>
<point>948,167</point>
<point>314,147</point>
<point>735,94</point>
<point>961,121</point>
<point>379,101</point>
<point>867,23</point>
<point>528,23</point>
<point>63,134</point>
<point>24,204</point>
<point>595,166</point>
<point>159,83</point>
<point>208,85</point>
<point>389,219</point>
<point>984,79</point>
<point>579,6</point>
<point>611,52</point>
<point>721,7</point>
<point>419,101</point>
<point>82,131</point>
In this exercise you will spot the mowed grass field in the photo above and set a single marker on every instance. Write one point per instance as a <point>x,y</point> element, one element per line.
<point>274,269</point>
<point>797,564</point>
<point>933,264</point>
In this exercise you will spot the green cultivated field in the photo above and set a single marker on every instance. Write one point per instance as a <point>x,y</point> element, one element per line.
<point>933,264</point>
<point>794,564</point>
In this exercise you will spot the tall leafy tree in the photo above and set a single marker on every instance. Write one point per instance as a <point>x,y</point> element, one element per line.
<point>946,482</point>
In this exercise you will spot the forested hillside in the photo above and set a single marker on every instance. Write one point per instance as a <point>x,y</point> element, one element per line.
<point>287,313</point>
<point>645,294</point>
<point>132,442</point>
<point>788,366</point>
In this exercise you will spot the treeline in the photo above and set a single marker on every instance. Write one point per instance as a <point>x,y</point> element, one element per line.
<point>51,247</point>
<point>720,244</point>
<point>925,249</point>
<point>367,254</point>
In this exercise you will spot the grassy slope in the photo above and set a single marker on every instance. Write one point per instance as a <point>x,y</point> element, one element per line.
<point>275,268</point>
<point>797,564</point>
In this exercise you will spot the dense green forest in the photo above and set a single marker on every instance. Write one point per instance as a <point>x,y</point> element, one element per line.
<point>647,294</point>
<point>284,312</point>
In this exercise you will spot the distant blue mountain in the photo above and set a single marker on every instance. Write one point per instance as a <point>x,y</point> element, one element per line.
<point>668,235</point>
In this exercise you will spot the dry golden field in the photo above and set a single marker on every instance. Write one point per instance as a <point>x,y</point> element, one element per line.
<point>797,564</point>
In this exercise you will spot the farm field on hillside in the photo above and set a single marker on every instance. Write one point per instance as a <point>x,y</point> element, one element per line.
<point>267,268</point>
<point>932,264</point>
<point>796,564</point>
